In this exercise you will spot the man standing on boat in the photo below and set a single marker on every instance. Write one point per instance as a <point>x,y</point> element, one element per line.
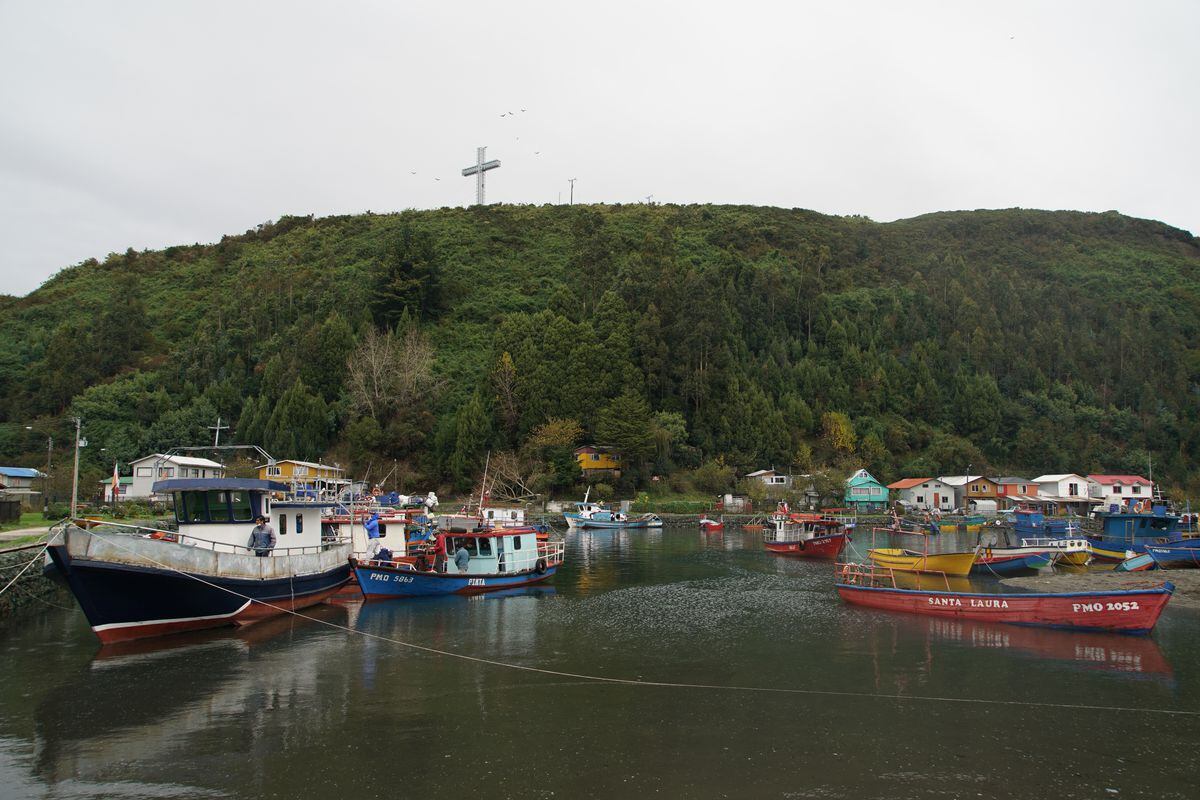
<point>461,557</point>
<point>262,538</point>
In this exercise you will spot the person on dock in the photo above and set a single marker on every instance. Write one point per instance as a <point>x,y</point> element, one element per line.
<point>461,557</point>
<point>262,538</point>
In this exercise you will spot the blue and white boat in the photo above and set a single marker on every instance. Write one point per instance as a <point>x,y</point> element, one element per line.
<point>1175,556</point>
<point>1125,534</point>
<point>500,558</point>
<point>598,515</point>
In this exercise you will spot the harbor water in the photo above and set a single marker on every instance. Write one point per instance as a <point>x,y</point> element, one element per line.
<point>441,697</point>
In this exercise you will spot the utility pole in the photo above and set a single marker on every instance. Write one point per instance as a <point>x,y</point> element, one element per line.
<point>46,480</point>
<point>75,478</point>
<point>572,182</point>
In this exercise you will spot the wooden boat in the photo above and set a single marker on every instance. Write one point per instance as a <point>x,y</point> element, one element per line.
<point>1067,551</point>
<point>1125,534</point>
<point>134,582</point>
<point>1175,556</point>
<point>711,525</point>
<point>1011,560</point>
<point>912,561</point>
<point>501,558</point>
<point>806,535</point>
<point>1126,611</point>
<point>1139,563</point>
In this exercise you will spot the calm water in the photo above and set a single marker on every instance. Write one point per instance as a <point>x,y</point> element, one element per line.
<point>293,708</point>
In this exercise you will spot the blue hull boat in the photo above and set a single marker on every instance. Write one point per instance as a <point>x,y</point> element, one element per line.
<point>379,580</point>
<point>605,520</point>
<point>1139,563</point>
<point>1001,564</point>
<point>1175,556</point>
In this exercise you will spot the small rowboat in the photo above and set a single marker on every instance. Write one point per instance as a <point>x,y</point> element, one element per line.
<point>912,561</point>
<point>711,525</point>
<point>1126,611</point>
<point>1010,560</point>
<point>1139,563</point>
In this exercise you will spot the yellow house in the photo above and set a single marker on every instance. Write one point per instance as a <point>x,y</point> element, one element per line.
<point>291,470</point>
<point>597,457</point>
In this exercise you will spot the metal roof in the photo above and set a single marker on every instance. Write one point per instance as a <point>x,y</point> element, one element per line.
<point>182,461</point>
<point>908,483</point>
<point>21,472</point>
<point>228,484</point>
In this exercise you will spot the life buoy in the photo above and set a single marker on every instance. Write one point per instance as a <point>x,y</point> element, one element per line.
<point>540,566</point>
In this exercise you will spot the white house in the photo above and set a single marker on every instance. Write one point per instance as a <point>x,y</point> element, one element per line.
<point>923,494</point>
<point>1068,491</point>
<point>1122,489</point>
<point>159,467</point>
<point>958,484</point>
<point>772,479</point>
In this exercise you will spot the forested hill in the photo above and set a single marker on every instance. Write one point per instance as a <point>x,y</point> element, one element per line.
<point>1015,341</point>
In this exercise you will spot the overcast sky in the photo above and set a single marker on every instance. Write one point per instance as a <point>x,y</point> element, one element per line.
<point>145,124</point>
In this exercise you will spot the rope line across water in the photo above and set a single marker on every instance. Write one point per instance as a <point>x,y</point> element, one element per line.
<point>670,684</point>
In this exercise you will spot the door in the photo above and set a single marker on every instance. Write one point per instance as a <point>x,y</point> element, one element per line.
<point>937,500</point>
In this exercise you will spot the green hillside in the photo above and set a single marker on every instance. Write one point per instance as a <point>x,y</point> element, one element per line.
<point>1017,341</point>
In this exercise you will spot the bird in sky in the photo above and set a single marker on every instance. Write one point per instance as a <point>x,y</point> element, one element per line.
<point>413,172</point>
<point>437,179</point>
<point>537,152</point>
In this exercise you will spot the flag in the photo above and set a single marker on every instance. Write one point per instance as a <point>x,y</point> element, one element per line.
<point>116,484</point>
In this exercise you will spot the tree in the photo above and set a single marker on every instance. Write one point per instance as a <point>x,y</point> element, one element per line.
<point>626,424</point>
<point>387,371</point>
<point>299,426</point>
<point>504,381</point>
<point>472,432</point>
<point>838,432</point>
<point>406,279</point>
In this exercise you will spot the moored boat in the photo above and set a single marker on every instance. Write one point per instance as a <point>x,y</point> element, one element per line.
<point>1175,556</point>
<point>1139,563</point>
<point>1125,534</point>
<point>806,535</point>
<point>133,582</point>
<point>1126,611</point>
<point>1011,560</point>
<point>598,515</point>
<point>711,525</point>
<point>500,558</point>
<point>912,561</point>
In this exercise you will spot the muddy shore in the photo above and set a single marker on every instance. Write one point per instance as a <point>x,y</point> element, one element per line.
<point>1187,583</point>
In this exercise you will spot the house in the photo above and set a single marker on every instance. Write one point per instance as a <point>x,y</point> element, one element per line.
<point>1014,492</point>
<point>290,469</point>
<point>158,467</point>
<point>923,494</point>
<point>126,482</point>
<point>958,483</point>
<point>865,493</point>
<point>19,480</point>
<point>983,494</point>
<point>1119,489</point>
<point>1067,492</point>
<point>597,457</point>
<point>772,479</point>
<point>16,484</point>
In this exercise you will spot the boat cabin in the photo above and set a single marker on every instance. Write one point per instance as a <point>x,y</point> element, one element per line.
<point>1130,527</point>
<point>502,516</point>
<point>800,527</point>
<point>219,513</point>
<point>497,551</point>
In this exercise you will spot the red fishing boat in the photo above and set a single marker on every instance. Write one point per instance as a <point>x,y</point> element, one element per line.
<point>806,535</point>
<point>712,525</point>
<point>1124,610</point>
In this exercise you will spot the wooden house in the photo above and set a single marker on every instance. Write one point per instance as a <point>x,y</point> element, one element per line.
<point>598,458</point>
<point>983,494</point>
<point>865,493</point>
<point>922,494</point>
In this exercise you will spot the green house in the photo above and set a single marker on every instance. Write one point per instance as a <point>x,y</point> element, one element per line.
<point>864,493</point>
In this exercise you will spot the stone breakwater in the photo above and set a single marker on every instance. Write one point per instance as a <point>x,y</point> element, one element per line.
<point>32,590</point>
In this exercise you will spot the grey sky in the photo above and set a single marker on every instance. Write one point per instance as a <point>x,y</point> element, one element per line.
<point>146,124</point>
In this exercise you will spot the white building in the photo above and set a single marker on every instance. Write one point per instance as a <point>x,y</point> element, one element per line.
<point>923,494</point>
<point>1068,491</point>
<point>779,481</point>
<point>159,467</point>
<point>1120,489</point>
<point>958,484</point>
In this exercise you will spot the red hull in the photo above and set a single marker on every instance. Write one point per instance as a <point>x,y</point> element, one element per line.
<point>246,615</point>
<point>824,547</point>
<point>712,527</point>
<point>1125,611</point>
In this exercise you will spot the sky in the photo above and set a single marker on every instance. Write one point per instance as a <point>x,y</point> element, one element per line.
<point>147,124</point>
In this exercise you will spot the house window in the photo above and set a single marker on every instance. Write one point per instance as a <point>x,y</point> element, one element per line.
<point>1072,489</point>
<point>300,471</point>
<point>1117,489</point>
<point>166,472</point>
<point>1135,489</point>
<point>595,456</point>
<point>924,485</point>
<point>778,479</point>
<point>920,498</point>
<point>1021,489</point>
<point>274,472</point>
<point>145,472</point>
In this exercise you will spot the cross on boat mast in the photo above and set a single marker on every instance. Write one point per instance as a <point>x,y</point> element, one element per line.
<point>478,170</point>
<point>216,429</point>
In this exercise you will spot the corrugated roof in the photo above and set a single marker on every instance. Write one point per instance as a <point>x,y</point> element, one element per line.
<point>180,461</point>
<point>1011,480</point>
<point>1056,478</point>
<point>21,472</point>
<point>958,480</point>
<point>1119,479</point>
<point>908,483</point>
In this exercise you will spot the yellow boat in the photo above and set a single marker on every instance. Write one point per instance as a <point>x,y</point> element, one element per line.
<point>1078,558</point>
<point>911,561</point>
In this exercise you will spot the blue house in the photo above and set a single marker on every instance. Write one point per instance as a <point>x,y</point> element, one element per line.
<point>864,493</point>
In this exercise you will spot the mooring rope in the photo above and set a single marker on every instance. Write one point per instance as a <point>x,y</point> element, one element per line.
<point>666,684</point>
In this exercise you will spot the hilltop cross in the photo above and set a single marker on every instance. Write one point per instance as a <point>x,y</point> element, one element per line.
<point>480,167</point>
<point>217,432</point>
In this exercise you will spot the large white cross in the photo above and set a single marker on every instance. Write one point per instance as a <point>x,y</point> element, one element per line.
<point>480,167</point>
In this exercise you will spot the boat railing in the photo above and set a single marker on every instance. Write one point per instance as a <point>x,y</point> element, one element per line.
<point>879,577</point>
<point>550,553</point>
<point>188,540</point>
<point>1056,543</point>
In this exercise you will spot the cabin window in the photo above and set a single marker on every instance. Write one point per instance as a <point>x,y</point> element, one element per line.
<point>283,524</point>
<point>195,507</point>
<point>485,547</point>
<point>218,507</point>
<point>240,503</point>
<point>145,472</point>
<point>180,513</point>
<point>299,523</point>
<point>516,543</point>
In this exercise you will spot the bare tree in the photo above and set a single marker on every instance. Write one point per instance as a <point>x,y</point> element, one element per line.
<point>387,371</point>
